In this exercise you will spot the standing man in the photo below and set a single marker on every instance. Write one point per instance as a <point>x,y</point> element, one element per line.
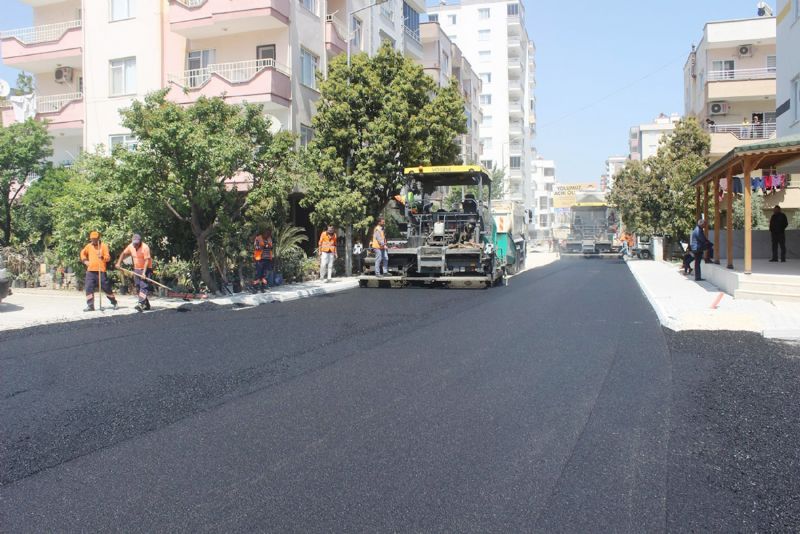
<point>777,230</point>
<point>262,256</point>
<point>95,256</point>
<point>327,253</point>
<point>379,245</point>
<point>698,244</point>
<point>143,266</point>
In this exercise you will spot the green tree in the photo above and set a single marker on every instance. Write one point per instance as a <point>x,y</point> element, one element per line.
<point>24,149</point>
<point>24,84</point>
<point>655,197</point>
<point>189,160</point>
<point>374,118</point>
<point>758,217</point>
<point>33,213</point>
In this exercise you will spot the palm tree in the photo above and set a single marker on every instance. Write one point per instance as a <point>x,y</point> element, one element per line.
<point>286,240</point>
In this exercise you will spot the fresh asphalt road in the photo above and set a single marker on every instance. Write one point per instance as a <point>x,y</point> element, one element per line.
<point>554,404</point>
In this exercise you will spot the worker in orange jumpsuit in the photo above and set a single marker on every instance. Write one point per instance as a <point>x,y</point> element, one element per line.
<point>327,253</point>
<point>95,256</point>
<point>142,266</point>
<point>262,257</point>
<point>379,245</point>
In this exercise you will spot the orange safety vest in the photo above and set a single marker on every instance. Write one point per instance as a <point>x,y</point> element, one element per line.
<point>97,257</point>
<point>327,243</point>
<point>378,238</point>
<point>141,257</point>
<point>262,246</point>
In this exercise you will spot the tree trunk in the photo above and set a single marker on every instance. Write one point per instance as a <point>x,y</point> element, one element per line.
<point>7,223</point>
<point>348,250</point>
<point>202,256</point>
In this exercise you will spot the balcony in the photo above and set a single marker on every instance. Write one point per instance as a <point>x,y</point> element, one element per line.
<point>741,84</point>
<point>201,19</point>
<point>515,108</point>
<point>335,43</point>
<point>62,112</point>
<point>514,23</point>
<point>726,137</point>
<point>412,43</point>
<point>43,48</point>
<point>515,87</point>
<point>257,81</point>
<point>515,128</point>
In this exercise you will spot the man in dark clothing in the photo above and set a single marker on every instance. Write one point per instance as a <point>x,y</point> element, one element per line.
<point>698,243</point>
<point>777,229</point>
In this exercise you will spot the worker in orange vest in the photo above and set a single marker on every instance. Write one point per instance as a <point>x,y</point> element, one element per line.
<point>142,265</point>
<point>262,256</point>
<point>327,253</point>
<point>94,256</point>
<point>379,245</point>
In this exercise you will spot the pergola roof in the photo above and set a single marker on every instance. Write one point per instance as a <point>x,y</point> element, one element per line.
<point>769,153</point>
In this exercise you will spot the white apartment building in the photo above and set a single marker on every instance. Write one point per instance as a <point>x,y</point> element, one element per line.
<point>90,58</point>
<point>492,36</point>
<point>442,60</point>
<point>729,82</point>
<point>543,180</point>
<point>788,37</point>
<point>645,138</point>
<point>614,164</point>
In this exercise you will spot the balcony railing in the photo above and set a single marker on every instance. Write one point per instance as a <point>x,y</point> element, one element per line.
<point>40,34</point>
<point>237,72</point>
<point>412,33</point>
<point>766,130</point>
<point>192,3</point>
<point>740,74</point>
<point>55,103</point>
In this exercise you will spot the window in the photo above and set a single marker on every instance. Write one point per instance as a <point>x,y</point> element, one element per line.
<point>483,13</point>
<point>484,35</point>
<point>772,63</point>
<point>411,20</point>
<point>512,9</point>
<point>549,171</point>
<point>121,10</point>
<point>486,77</point>
<point>543,203</point>
<point>433,18</point>
<point>358,30</point>
<point>306,134</point>
<point>451,19</point>
<point>122,76</point>
<point>486,143</point>
<point>265,52</point>
<point>486,163</point>
<point>310,5</point>
<point>548,187</point>
<point>723,69</point>
<point>796,97</point>
<point>127,141</point>
<point>797,9</point>
<point>387,10</point>
<point>487,121</point>
<point>197,63</point>
<point>485,55</point>
<point>452,37</point>
<point>486,100</point>
<point>515,162</point>
<point>445,64</point>
<point>308,68</point>
<point>543,219</point>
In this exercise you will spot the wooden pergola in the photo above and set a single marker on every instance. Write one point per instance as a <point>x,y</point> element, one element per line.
<point>741,160</point>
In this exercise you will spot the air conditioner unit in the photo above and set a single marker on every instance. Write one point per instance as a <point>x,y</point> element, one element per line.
<point>63,75</point>
<point>718,108</point>
<point>745,50</point>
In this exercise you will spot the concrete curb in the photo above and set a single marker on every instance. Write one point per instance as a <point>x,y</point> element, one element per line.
<point>663,317</point>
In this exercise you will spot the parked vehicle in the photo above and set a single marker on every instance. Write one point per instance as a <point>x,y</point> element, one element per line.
<point>593,227</point>
<point>510,229</point>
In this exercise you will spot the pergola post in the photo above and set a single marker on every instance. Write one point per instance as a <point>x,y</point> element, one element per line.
<point>705,201</point>
<point>748,218</point>
<point>696,203</point>
<point>717,218</point>
<point>729,218</point>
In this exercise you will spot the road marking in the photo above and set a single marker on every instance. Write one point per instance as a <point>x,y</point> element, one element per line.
<point>717,300</point>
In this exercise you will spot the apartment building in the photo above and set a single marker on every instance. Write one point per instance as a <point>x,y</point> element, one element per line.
<point>729,82</point>
<point>788,82</point>
<point>645,138</point>
<point>613,166</point>
<point>543,181</point>
<point>442,60</point>
<point>492,36</point>
<point>92,58</point>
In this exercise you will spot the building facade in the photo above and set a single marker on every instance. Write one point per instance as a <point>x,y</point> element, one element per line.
<point>729,82</point>
<point>788,37</point>
<point>645,138</point>
<point>543,183</point>
<point>492,36</point>
<point>614,164</point>
<point>259,51</point>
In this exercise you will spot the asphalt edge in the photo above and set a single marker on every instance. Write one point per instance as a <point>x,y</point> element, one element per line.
<point>664,318</point>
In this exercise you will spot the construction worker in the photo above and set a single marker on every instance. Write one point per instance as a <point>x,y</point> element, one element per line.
<point>327,253</point>
<point>142,265</point>
<point>95,256</point>
<point>379,246</point>
<point>262,256</point>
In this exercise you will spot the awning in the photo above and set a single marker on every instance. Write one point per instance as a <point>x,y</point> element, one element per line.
<point>770,153</point>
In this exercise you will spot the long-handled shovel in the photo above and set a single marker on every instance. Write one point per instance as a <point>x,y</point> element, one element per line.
<point>185,296</point>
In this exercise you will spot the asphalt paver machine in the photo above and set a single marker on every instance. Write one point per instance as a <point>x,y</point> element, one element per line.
<point>454,247</point>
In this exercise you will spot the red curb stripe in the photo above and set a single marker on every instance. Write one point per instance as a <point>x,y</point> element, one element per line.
<point>717,300</point>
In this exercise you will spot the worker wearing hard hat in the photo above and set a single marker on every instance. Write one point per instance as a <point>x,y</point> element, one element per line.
<point>94,256</point>
<point>139,252</point>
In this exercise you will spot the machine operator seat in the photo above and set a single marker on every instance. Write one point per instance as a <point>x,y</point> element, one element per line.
<point>470,205</point>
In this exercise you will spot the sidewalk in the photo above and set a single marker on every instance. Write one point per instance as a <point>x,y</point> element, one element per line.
<point>32,307</point>
<point>683,304</point>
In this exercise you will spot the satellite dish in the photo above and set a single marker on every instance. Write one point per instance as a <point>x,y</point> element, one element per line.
<point>5,89</point>
<point>274,124</point>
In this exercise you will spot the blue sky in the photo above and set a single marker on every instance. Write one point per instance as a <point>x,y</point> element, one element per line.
<point>602,67</point>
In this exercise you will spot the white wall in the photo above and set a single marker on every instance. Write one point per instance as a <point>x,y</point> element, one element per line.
<point>788,66</point>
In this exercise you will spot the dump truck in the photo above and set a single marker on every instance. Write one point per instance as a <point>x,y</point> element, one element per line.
<point>455,247</point>
<point>510,230</point>
<point>593,227</point>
